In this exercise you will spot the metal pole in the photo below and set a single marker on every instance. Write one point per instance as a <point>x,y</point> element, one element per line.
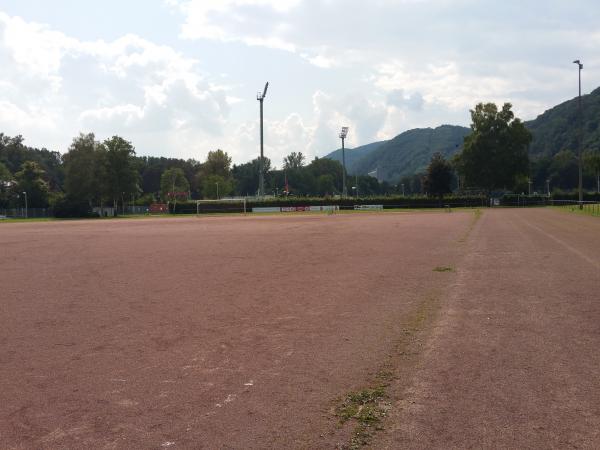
<point>26,207</point>
<point>261,175</point>
<point>344,191</point>
<point>217,190</point>
<point>580,139</point>
<point>402,189</point>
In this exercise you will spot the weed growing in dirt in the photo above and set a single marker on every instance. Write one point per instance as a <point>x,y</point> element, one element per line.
<point>361,405</point>
<point>476,216</point>
<point>444,269</point>
<point>368,408</point>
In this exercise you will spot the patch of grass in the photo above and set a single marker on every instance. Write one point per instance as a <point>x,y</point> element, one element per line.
<point>476,216</point>
<point>23,220</point>
<point>367,407</point>
<point>588,209</point>
<point>362,406</point>
<point>443,269</point>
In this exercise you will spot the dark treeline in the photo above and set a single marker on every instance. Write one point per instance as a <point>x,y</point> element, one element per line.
<point>109,173</point>
<point>91,173</point>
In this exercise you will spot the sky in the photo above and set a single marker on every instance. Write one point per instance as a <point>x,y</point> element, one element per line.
<point>179,78</point>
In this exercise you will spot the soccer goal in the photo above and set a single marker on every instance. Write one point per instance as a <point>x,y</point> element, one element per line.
<point>224,205</point>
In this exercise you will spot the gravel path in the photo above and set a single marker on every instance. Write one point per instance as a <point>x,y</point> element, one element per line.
<point>514,360</point>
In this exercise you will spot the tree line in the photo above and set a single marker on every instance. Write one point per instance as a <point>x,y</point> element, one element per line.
<point>109,173</point>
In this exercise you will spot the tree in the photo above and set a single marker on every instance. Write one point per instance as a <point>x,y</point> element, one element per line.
<point>246,176</point>
<point>438,179</point>
<point>121,174</point>
<point>5,183</point>
<point>216,186</point>
<point>84,170</point>
<point>592,163</point>
<point>495,153</point>
<point>324,166</point>
<point>367,185</point>
<point>564,170</point>
<point>30,179</point>
<point>413,184</point>
<point>293,161</point>
<point>325,185</point>
<point>172,182</point>
<point>217,163</point>
<point>13,153</point>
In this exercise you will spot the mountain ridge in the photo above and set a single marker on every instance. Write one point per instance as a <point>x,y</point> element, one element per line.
<point>410,151</point>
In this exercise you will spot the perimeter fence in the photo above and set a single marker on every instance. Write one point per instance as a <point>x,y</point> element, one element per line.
<point>22,213</point>
<point>588,207</point>
<point>349,203</point>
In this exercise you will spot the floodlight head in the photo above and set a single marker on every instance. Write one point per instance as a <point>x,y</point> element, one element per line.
<point>578,62</point>
<point>263,94</point>
<point>344,133</point>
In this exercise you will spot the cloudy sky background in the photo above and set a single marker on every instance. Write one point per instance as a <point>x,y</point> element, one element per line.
<point>179,77</point>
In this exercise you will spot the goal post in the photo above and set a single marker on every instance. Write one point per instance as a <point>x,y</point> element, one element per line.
<point>221,205</point>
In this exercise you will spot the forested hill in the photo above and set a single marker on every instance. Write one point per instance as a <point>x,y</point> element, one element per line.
<point>557,128</point>
<point>410,152</point>
<point>353,155</point>
<point>406,154</point>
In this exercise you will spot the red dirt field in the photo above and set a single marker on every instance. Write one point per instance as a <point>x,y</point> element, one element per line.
<point>514,360</point>
<point>244,332</point>
<point>232,332</point>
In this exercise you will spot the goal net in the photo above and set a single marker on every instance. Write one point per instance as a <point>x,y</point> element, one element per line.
<point>224,205</point>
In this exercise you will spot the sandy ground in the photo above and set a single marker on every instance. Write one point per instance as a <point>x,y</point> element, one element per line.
<point>244,332</point>
<point>514,361</point>
<point>233,332</point>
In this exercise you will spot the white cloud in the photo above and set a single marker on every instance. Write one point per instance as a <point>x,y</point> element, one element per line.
<point>128,86</point>
<point>228,20</point>
<point>379,67</point>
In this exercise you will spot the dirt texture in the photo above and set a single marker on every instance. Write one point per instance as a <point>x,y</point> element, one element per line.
<point>245,332</point>
<point>513,360</point>
<point>212,332</point>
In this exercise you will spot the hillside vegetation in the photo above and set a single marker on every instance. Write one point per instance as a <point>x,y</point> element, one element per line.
<point>409,153</point>
<point>557,128</point>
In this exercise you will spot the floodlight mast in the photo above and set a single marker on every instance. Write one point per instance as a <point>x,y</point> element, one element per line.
<point>261,174</point>
<point>580,138</point>
<point>343,135</point>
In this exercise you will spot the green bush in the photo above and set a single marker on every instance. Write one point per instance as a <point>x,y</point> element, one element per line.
<point>65,207</point>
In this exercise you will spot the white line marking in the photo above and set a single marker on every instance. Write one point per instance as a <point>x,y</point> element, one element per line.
<point>565,245</point>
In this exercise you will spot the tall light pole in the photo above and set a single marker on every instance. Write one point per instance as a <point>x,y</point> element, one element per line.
<point>26,207</point>
<point>217,183</point>
<point>580,138</point>
<point>343,135</point>
<point>403,190</point>
<point>261,175</point>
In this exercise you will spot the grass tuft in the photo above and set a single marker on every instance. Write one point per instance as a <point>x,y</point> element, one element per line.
<point>363,406</point>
